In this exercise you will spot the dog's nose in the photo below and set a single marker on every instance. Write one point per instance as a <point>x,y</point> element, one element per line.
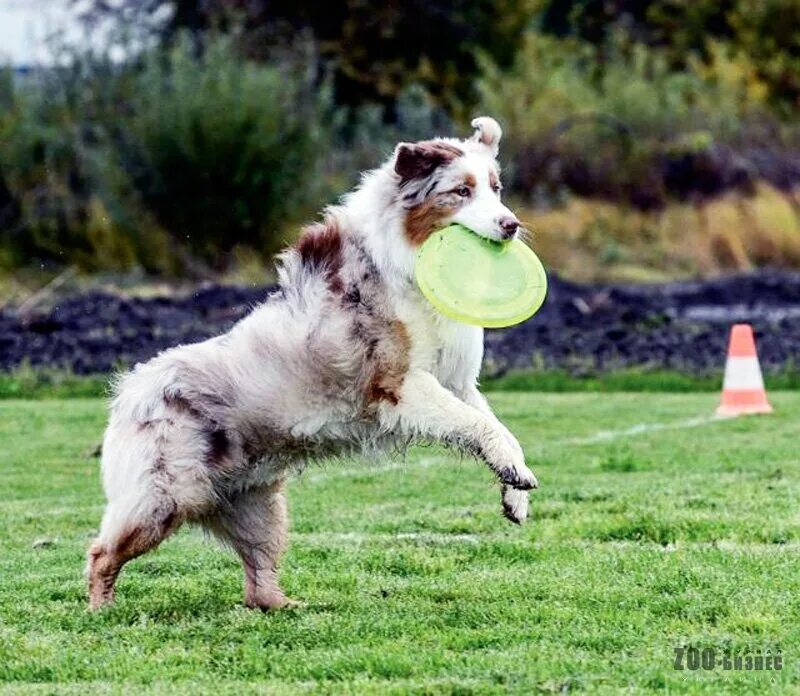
<point>509,226</point>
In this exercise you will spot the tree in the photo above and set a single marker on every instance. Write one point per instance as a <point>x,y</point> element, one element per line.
<point>373,49</point>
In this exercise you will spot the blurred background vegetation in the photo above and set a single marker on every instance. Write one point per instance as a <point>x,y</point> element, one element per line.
<point>644,139</point>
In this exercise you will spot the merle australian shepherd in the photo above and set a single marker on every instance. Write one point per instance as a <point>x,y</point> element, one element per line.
<point>346,356</point>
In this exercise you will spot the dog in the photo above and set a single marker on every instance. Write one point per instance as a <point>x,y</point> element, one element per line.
<point>345,357</point>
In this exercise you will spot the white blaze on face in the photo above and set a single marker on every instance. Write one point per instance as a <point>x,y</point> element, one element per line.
<point>482,212</point>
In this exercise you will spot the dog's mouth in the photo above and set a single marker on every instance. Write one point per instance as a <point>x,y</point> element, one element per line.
<point>502,229</point>
<point>497,235</point>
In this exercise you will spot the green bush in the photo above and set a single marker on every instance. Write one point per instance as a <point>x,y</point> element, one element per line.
<point>365,138</point>
<point>181,156</point>
<point>609,120</point>
<point>763,30</point>
<point>553,80</point>
<point>227,150</point>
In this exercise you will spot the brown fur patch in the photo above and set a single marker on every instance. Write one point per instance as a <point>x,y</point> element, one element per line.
<point>320,247</point>
<point>140,539</point>
<point>423,219</point>
<point>130,542</point>
<point>419,160</point>
<point>391,366</point>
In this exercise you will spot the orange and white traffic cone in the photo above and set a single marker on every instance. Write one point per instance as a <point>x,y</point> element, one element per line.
<point>743,388</point>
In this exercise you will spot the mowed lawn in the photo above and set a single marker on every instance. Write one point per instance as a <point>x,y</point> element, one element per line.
<point>655,527</point>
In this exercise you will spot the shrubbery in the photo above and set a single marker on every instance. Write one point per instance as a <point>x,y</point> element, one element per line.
<point>685,30</point>
<point>372,50</point>
<point>620,123</point>
<point>210,147</point>
<point>164,163</point>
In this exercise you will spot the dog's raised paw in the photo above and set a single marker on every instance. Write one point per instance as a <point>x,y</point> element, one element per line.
<point>515,504</point>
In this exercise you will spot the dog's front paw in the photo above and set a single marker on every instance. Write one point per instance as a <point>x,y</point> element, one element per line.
<point>505,457</point>
<point>513,471</point>
<point>515,504</point>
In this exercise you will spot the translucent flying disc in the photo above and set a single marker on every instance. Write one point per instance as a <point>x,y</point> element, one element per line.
<point>479,281</point>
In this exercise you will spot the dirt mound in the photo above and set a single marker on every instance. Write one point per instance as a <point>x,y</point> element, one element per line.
<point>682,326</point>
<point>582,328</point>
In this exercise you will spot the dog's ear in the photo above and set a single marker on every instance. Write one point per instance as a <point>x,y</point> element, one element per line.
<point>487,132</point>
<point>419,160</point>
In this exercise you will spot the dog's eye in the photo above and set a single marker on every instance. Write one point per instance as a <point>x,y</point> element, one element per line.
<point>464,191</point>
<point>496,188</point>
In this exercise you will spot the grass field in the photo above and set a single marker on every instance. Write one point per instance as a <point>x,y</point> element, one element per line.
<point>655,527</point>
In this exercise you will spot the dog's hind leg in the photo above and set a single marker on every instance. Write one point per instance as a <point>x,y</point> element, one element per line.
<point>254,524</point>
<point>128,530</point>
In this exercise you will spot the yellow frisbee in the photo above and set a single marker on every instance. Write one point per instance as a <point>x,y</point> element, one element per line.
<point>478,281</point>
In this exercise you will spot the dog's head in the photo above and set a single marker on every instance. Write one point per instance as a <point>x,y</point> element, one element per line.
<point>447,180</point>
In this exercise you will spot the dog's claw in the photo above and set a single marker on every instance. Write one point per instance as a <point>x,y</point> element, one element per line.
<point>511,477</point>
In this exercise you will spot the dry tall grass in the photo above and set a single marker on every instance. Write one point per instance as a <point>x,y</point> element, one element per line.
<point>595,240</point>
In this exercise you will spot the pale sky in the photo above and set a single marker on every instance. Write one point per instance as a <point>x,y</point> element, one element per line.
<point>25,24</point>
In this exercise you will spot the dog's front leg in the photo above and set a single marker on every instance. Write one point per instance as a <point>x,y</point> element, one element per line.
<point>515,501</point>
<point>472,396</point>
<point>427,410</point>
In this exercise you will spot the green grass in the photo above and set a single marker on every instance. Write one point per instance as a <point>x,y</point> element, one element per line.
<point>626,380</point>
<point>640,541</point>
<point>29,383</point>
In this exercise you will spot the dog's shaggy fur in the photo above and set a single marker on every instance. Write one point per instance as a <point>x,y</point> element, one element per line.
<point>347,356</point>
